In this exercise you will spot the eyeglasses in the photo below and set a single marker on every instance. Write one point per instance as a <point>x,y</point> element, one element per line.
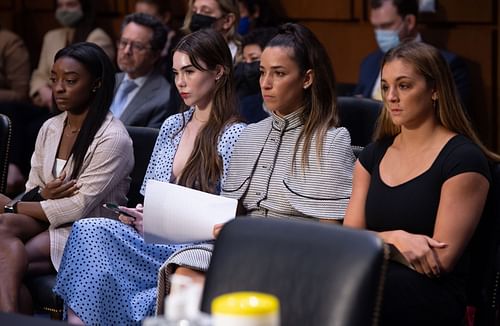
<point>134,46</point>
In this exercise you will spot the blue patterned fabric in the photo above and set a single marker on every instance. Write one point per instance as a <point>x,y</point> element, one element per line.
<point>108,274</point>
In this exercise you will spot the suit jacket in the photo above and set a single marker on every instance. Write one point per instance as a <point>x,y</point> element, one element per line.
<point>370,68</point>
<point>148,108</point>
<point>104,177</point>
<point>14,67</point>
<point>55,40</point>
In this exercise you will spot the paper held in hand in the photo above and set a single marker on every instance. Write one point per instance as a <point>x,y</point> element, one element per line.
<point>176,214</point>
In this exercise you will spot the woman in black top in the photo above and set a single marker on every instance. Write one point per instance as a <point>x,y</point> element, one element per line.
<point>421,186</point>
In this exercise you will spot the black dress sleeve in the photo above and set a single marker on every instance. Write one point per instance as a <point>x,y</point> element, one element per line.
<point>366,157</point>
<point>465,156</point>
<point>373,153</point>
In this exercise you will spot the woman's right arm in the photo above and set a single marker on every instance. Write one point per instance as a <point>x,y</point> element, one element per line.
<point>355,213</point>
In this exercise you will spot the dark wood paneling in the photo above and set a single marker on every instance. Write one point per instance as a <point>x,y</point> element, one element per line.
<point>347,45</point>
<point>302,9</point>
<point>474,44</point>
<point>469,28</point>
<point>38,4</point>
<point>462,11</point>
<point>6,20</point>
<point>7,5</point>
<point>107,7</point>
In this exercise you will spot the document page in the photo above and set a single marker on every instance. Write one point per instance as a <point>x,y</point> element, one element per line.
<point>176,214</point>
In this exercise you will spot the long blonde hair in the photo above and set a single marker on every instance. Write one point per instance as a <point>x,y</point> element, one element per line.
<point>428,62</point>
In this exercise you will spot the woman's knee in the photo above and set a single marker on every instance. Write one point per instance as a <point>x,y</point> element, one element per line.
<point>6,223</point>
<point>19,225</point>
<point>13,253</point>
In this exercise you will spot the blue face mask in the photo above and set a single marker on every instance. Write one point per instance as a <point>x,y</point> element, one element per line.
<point>244,26</point>
<point>387,39</point>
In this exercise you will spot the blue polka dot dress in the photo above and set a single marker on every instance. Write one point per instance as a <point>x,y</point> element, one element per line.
<point>108,274</point>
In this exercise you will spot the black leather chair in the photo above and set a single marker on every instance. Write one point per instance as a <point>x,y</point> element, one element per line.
<point>359,116</point>
<point>40,287</point>
<point>323,274</point>
<point>5,138</point>
<point>144,140</point>
<point>483,287</point>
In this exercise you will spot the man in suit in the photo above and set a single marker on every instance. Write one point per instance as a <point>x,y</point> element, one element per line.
<point>142,93</point>
<point>395,21</point>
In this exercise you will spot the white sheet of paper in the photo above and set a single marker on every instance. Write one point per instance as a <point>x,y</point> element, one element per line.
<point>176,214</point>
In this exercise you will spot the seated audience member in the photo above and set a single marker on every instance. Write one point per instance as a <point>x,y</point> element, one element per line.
<point>421,186</point>
<point>142,93</point>
<point>14,67</point>
<point>247,74</point>
<point>78,20</point>
<point>82,159</point>
<point>295,164</point>
<point>222,15</point>
<point>193,149</point>
<point>256,14</point>
<point>14,86</point>
<point>395,21</point>
<point>161,9</point>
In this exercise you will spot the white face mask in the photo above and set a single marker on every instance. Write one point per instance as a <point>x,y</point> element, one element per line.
<point>69,18</point>
<point>387,39</point>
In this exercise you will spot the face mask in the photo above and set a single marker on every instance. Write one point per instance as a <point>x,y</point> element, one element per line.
<point>244,26</point>
<point>201,21</point>
<point>387,39</point>
<point>247,77</point>
<point>68,18</point>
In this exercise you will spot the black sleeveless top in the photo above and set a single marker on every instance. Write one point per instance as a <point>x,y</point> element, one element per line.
<point>412,206</point>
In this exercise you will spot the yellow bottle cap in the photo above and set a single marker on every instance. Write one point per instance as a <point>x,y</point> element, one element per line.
<point>245,303</point>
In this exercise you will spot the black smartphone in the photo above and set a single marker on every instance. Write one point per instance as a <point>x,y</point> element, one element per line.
<point>114,208</point>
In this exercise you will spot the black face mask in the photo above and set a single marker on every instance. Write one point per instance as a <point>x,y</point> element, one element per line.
<point>201,21</point>
<point>247,77</point>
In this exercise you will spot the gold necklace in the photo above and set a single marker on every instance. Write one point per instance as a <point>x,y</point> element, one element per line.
<point>72,132</point>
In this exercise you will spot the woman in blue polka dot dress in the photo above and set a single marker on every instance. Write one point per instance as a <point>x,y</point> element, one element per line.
<point>108,274</point>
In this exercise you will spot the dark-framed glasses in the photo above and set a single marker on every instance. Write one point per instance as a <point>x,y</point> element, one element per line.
<point>134,46</point>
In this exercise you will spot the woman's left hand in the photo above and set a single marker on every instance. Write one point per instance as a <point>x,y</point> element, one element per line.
<point>137,220</point>
<point>419,250</point>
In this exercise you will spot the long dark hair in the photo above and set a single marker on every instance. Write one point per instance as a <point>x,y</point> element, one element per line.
<point>204,166</point>
<point>320,109</point>
<point>101,69</point>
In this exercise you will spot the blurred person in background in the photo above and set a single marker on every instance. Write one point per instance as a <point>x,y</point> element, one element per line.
<point>77,18</point>
<point>396,21</point>
<point>14,85</point>
<point>222,15</point>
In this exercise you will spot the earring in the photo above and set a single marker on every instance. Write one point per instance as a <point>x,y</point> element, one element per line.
<point>434,103</point>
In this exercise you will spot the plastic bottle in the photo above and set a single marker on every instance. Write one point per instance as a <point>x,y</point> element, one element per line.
<point>182,305</point>
<point>245,309</point>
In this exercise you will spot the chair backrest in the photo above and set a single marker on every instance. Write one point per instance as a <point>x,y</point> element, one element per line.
<point>144,139</point>
<point>483,291</point>
<point>5,137</point>
<point>359,116</point>
<point>323,274</point>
